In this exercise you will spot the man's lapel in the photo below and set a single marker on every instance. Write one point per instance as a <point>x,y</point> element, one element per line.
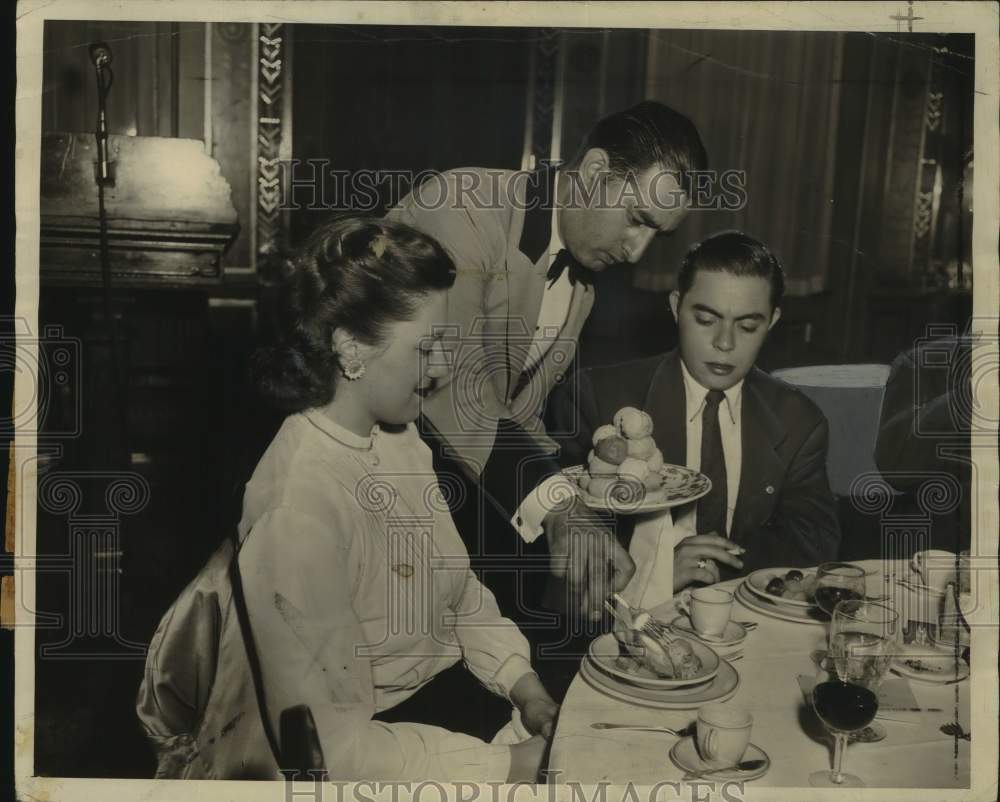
<point>762,468</point>
<point>666,405</point>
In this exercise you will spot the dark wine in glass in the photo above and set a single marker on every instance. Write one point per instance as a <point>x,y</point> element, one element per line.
<point>844,706</point>
<point>828,596</point>
<point>837,582</point>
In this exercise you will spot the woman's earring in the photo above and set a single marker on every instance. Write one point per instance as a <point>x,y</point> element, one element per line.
<point>353,368</point>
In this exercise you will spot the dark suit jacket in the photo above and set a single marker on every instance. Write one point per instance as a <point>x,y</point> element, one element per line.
<point>785,512</point>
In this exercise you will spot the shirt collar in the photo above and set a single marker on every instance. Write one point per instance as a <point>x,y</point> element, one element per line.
<point>694,396</point>
<point>325,423</point>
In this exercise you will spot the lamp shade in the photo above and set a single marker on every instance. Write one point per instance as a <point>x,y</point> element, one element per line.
<point>850,396</point>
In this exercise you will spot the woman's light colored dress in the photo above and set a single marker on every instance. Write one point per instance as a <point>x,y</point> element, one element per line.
<point>359,591</point>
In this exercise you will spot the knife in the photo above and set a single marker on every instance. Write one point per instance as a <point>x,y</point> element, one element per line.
<point>746,765</point>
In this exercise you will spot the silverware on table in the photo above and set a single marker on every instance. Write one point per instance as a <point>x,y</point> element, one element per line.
<point>748,625</point>
<point>606,725</point>
<point>745,765</point>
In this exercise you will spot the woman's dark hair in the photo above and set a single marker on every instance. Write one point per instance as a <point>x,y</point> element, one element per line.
<point>736,253</point>
<point>357,274</point>
<point>644,135</point>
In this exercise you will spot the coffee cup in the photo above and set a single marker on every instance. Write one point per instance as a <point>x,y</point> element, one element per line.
<point>708,608</point>
<point>723,734</point>
<point>936,568</point>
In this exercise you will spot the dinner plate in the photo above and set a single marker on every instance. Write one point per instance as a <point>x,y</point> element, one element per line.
<point>685,756</point>
<point>757,583</point>
<point>604,653</point>
<point>753,602</point>
<point>680,485</point>
<point>734,633</point>
<point>722,687</point>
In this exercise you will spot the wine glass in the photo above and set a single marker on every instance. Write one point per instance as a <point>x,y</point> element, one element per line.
<point>863,638</point>
<point>837,582</point>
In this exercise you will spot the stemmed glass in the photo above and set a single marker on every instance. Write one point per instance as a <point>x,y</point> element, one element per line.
<point>837,582</point>
<point>863,638</point>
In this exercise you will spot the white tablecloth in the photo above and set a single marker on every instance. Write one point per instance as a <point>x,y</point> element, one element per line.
<point>914,755</point>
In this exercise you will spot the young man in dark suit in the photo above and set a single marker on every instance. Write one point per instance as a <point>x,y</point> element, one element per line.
<point>762,442</point>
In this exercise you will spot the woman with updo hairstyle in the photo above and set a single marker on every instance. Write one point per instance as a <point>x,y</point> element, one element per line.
<point>359,599</point>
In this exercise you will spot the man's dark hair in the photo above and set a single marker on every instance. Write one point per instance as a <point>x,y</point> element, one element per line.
<point>644,135</point>
<point>736,253</point>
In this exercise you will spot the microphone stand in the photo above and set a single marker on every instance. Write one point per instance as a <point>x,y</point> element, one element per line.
<point>100,55</point>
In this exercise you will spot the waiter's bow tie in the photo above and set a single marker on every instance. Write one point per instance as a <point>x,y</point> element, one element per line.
<point>577,272</point>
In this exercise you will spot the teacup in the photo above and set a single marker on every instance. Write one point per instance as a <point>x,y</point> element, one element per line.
<point>723,734</point>
<point>708,608</point>
<point>935,567</point>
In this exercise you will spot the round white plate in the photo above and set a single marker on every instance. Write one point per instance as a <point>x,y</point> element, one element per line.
<point>757,582</point>
<point>733,635</point>
<point>685,756</point>
<point>722,687</point>
<point>604,652</point>
<point>680,485</point>
<point>927,664</point>
<point>752,602</point>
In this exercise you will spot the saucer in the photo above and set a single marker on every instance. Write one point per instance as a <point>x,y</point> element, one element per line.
<point>927,664</point>
<point>685,756</point>
<point>733,634</point>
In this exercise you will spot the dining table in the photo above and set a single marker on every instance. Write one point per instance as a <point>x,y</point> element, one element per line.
<point>916,752</point>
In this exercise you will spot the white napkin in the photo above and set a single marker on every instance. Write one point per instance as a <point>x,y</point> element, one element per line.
<point>652,550</point>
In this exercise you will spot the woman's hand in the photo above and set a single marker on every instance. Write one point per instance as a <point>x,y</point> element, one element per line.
<point>538,710</point>
<point>526,760</point>
<point>696,558</point>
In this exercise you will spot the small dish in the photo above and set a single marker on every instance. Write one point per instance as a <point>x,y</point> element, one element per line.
<point>928,664</point>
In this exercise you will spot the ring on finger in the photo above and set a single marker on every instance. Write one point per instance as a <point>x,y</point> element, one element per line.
<point>703,564</point>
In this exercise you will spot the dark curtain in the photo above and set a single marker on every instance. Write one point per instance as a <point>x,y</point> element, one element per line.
<point>766,104</point>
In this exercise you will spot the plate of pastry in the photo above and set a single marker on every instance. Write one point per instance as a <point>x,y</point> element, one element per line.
<point>655,665</point>
<point>721,687</point>
<point>625,471</point>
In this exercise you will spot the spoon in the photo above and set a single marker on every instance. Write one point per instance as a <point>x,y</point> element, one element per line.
<point>746,765</point>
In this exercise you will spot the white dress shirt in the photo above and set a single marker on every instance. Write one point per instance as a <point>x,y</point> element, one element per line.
<point>654,538</point>
<point>552,316</point>
<point>730,426</point>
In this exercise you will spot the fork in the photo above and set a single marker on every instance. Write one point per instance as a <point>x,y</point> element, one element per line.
<point>655,629</point>
<point>605,725</point>
<point>955,730</point>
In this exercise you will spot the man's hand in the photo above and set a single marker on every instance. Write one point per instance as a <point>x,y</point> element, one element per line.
<point>588,554</point>
<point>708,550</point>
<point>538,710</point>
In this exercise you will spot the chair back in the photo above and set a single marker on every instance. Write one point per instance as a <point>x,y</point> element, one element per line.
<point>850,396</point>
